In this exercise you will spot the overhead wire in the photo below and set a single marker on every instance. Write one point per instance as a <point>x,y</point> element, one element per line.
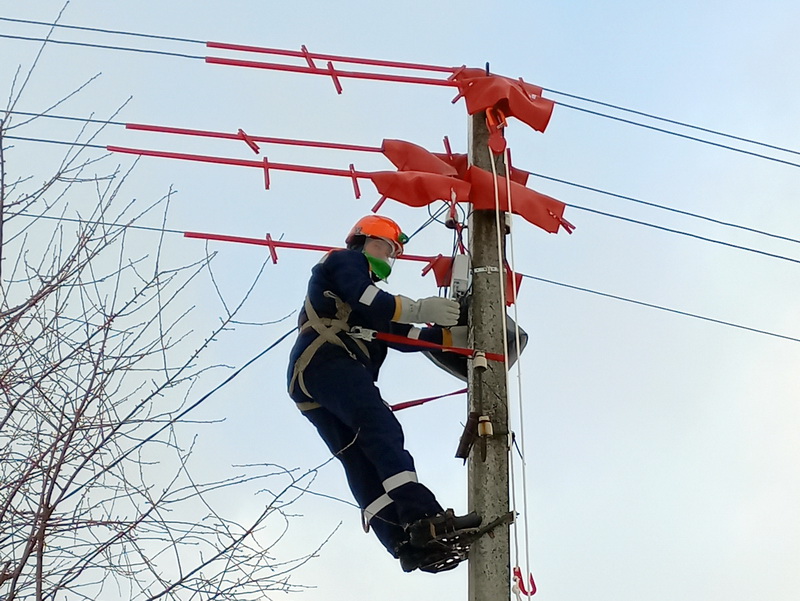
<point>101,46</point>
<point>571,205</point>
<point>99,30</point>
<point>536,175</point>
<point>665,208</point>
<point>586,99</point>
<point>559,92</point>
<point>673,121</point>
<point>524,275</point>
<point>661,308</point>
<point>684,233</point>
<point>684,136</point>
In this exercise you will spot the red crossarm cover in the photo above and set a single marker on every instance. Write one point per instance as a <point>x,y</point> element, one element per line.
<point>418,189</point>
<point>515,98</point>
<point>539,209</point>
<point>459,161</point>
<point>410,157</point>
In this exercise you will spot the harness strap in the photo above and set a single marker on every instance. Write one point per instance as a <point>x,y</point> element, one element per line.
<point>328,330</point>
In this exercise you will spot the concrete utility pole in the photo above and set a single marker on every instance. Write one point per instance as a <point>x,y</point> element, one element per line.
<point>489,558</point>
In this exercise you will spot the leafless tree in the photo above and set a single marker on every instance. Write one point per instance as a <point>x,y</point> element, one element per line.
<point>98,361</point>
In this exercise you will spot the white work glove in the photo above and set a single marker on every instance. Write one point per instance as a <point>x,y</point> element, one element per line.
<point>434,309</point>
<point>459,336</point>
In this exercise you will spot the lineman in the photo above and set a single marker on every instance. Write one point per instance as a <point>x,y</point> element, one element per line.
<point>332,372</point>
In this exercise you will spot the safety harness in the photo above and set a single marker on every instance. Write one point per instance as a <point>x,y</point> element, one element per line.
<point>328,330</point>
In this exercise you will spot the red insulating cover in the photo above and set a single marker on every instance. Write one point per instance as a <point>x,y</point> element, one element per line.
<point>539,209</point>
<point>459,161</point>
<point>519,99</point>
<point>418,189</point>
<point>510,296</point>
<point>442,270</point>
<point>410,157</point>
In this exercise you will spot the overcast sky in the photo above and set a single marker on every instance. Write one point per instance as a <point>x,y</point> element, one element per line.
<point>662,449</point>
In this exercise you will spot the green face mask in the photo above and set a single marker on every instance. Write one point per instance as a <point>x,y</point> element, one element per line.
<point>379,267</point>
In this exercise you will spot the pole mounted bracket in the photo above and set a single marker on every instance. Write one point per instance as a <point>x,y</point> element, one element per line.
<point>489,269</point>
<point>468,436</point>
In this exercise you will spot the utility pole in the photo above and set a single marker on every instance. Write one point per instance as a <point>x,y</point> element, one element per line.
<point>489,558</point>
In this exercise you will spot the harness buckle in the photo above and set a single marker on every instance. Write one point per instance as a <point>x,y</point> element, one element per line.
<point>362,333</point>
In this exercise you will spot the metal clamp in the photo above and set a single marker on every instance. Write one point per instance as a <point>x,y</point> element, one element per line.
<point>489,269</point>
<point>362,333</point>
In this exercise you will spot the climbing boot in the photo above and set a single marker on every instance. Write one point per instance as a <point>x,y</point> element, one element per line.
<point>432,559</point>
<point>443,530</point>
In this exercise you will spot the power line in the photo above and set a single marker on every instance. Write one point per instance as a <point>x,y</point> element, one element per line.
<point>63,117</point>
<point>559,92</point>
<point>101,46</point>
<point>665,208</point>
<point>537,175</point>
<point>673,121</point>
<point>662,308</point>
<point>685,136</point>
<point>574,206</point>
<point>45,141</point>
<point>131,226</point>
<point>683,233</point>
<point>98,30</point>
<point>538,279</point>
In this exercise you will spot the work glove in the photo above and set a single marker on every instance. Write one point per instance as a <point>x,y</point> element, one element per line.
<point>433,309</point>
<point>460,336</point>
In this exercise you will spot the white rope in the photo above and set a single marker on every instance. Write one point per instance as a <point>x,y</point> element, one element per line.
<point>502,273</point>
<point>517,336</point>
<point>524,470</point>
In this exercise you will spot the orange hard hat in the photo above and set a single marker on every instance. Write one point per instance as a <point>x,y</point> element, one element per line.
<point>378,226</point>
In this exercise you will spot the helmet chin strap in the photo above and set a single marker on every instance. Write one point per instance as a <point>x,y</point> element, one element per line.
<point>379,267</point>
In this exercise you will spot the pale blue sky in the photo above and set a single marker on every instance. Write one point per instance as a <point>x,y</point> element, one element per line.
<point>662,450</point>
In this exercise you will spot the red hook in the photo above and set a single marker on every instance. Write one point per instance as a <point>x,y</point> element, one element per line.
<point>520,584</point>
<point>495,122</point>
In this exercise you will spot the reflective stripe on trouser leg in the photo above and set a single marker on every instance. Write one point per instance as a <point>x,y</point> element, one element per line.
<point>345,389</point>
<point>374,509</point>
<point>384,501</point>
<point>398,480</point>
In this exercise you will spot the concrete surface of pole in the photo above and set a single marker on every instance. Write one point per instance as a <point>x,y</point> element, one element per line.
<point>489,559</point>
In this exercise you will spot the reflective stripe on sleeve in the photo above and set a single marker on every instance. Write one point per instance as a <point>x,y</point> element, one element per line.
<point>369,295</point>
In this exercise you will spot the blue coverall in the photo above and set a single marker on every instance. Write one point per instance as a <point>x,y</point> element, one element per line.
<point>336,391</point>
